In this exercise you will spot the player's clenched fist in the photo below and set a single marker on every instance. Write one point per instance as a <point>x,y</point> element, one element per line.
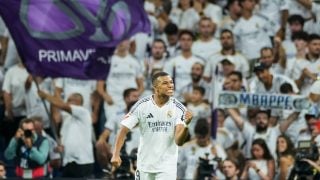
<point>188,117</point>
<point>116,161</point>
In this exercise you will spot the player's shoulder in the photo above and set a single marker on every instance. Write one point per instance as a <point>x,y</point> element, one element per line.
<point>140,103</point>
<point>177,104</point>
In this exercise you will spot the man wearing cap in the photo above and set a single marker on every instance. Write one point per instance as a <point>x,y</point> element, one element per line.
<point>265,82</point>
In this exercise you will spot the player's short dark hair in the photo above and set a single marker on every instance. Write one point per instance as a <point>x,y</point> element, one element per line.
<point>202,127</point>
<point>236,73</point>
<point>201,89</point>
<point>128,91</point>
<point>286,88</point>
<point>296,18</point>
<point>188,32</point>
<point>159,74</point>
<point>2,163</point>
<point>313,37</point>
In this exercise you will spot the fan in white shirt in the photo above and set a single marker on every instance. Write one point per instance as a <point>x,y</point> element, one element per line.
<point>276,11</point>
<point>233,14</point>
<point>265,82</point>
<point>253,32</point>
<point>310,66</point>
<point>162,121</point>
<point>207,9</point>
<point>125,72</point>
<point>227,52</point>
<point>180,66</point>
<point>200,147</point>
<point>184,16</point>
<point>78,148</point>
<point>206,45</point>
<point>154,63</point>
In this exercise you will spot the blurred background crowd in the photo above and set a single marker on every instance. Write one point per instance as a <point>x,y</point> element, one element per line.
<point>256,46</point>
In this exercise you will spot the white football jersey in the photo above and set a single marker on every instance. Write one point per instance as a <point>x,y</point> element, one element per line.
<point>157,150</point>
<point>252,35</point>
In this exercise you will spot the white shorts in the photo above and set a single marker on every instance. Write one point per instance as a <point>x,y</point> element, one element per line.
<point>140,175</point>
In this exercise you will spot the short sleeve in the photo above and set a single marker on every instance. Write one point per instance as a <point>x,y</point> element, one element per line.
<point>130,120</point>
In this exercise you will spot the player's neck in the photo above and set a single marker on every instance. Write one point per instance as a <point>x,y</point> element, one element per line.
<point>160,100</point>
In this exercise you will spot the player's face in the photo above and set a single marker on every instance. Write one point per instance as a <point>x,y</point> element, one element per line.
<point>229,169</point>
<point>164,86</point>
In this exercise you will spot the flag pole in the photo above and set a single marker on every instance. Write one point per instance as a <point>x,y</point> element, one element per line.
<point>52,124</point>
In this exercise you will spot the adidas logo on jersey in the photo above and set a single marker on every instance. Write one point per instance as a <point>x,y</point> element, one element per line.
<point>150,116</point>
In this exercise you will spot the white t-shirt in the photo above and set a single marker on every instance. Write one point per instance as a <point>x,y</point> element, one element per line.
<point>14,81</point>
<point>189,155</point>
<point>206,49</point>
<point>187,19</point>
<point>84,87</point>
<point>76,136</point>
<point>34,104</point>
<point>252,35</point>
<point>312,65</point>
<point>180,69</point>
<point>157,151</point>
<point>122,75</point>
<point>240,62</point>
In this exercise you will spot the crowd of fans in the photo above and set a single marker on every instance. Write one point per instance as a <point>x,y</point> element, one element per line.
<point>68,128</point>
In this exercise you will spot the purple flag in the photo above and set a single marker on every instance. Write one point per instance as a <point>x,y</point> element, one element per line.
<point>71,38</point>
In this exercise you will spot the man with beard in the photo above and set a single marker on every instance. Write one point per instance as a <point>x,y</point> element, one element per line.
<point>196,76</point>
<point>260,129</point>
<point>227,52</point>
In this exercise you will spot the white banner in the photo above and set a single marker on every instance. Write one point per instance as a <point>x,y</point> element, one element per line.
<point>230,99</point>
